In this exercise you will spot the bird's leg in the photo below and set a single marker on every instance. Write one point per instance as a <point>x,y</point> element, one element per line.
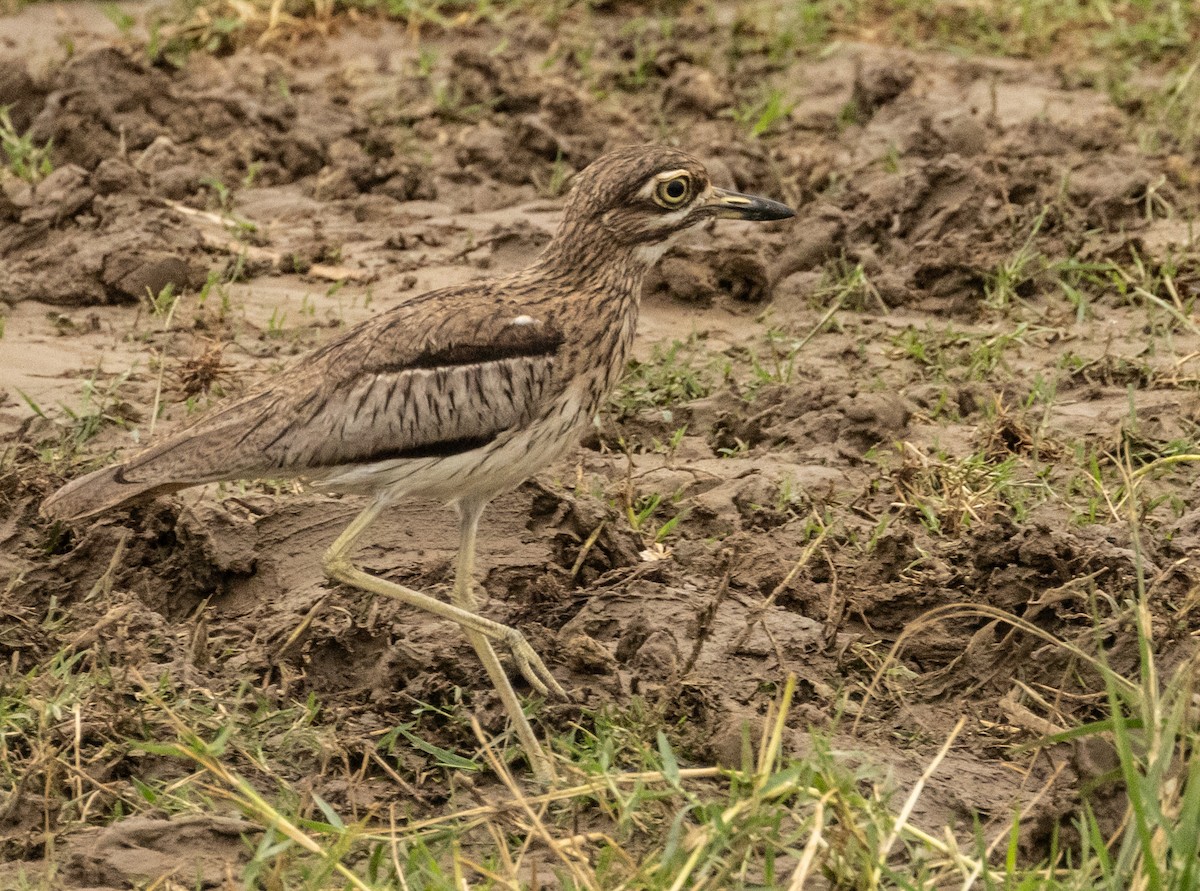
<point>526,657</point>
<point>469,511</point>
<point>339,568</point>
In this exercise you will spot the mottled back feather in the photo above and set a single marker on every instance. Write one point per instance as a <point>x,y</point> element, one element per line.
<point>413,382</point>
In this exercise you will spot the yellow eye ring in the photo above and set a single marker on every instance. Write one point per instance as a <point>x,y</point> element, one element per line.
<point>673,192</point>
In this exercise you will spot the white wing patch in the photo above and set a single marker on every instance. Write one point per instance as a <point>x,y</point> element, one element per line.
<point>522,321</point>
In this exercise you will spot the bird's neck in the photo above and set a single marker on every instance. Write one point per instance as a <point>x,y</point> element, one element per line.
<point>592,260</point>
<point>602,286</point>
<point>598,279</point>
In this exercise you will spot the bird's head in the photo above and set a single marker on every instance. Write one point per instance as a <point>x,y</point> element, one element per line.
<point>638,198</point>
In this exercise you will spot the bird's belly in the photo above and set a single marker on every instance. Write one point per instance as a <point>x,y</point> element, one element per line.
<point>500,465</point>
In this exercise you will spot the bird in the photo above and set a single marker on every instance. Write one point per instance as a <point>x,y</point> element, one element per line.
<point>458,394</point>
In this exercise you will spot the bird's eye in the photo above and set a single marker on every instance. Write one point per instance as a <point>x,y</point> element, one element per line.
<point>673,192</point>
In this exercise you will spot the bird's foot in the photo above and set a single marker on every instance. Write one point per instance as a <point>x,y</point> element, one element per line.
<point>531,666</point>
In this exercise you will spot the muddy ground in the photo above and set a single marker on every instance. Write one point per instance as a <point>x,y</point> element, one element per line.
<point>917,393</point>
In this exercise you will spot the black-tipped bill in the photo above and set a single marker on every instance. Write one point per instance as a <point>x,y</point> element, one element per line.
<point>737,206</point>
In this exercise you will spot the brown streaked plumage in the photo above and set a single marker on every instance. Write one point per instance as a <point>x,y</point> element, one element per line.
<point>458,394</point>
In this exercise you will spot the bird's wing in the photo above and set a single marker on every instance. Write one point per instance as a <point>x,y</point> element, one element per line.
<point>427,378</point>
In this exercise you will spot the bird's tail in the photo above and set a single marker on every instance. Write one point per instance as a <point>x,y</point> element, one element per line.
<point>203,453</point>
<point>99,491</point>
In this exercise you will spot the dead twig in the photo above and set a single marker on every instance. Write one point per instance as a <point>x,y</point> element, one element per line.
<point>220,241</point>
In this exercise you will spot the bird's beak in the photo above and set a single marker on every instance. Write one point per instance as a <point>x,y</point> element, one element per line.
<point>737,206</point>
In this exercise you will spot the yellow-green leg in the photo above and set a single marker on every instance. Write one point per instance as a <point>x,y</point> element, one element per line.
<point>469,512</point>
<point>479,630</point>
